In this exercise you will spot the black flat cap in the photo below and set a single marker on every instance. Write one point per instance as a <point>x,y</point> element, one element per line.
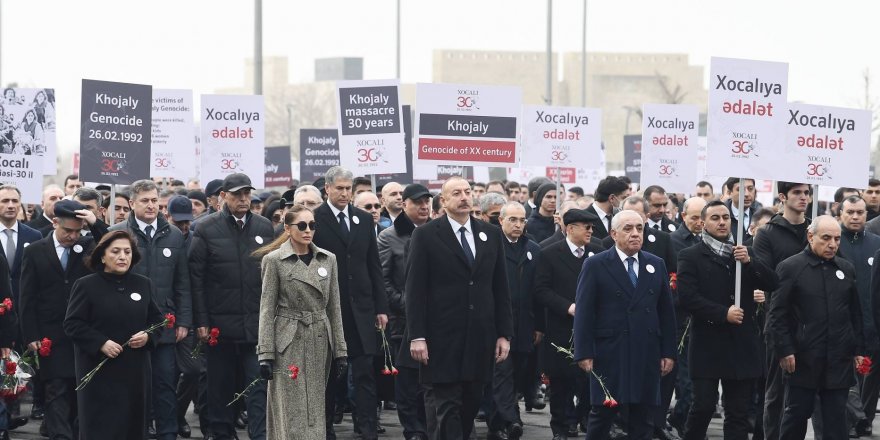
<point>579,216</point>
<point>66,208</point>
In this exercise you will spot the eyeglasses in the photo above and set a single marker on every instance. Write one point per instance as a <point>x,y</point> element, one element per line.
<point>307,203</point>
<point>303,225</point>
<point>370,206</point>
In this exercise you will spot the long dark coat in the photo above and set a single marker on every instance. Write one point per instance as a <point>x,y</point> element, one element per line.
<point>115,307</point>
<point>522,259</point>
<point>815,315</point>
<point>460,310</point>
<point>45,290</point>
<point>706,286</point>
<point>626,330</point>
<point>361,288</point>
<point>555,288</point>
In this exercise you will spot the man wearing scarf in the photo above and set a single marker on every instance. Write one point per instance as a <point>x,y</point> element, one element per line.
<point>724,344</point>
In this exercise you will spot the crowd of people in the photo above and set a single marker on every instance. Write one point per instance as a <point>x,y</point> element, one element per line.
<point>280,312</point>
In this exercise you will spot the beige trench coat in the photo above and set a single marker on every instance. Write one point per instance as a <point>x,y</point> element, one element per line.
<point>300,324</point>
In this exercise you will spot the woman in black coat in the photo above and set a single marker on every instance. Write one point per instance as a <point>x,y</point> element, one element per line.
<point>106,310</point>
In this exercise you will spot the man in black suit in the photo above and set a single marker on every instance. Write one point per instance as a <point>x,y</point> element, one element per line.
<point>19,235</point>
<point>733,187</point>
<point>458,311</point>
<point>51,195</point>
<point>657,202</point>
<point>349,233</point>
<point>555,288</point>
<point>609,193</point>
<point>49,268</point>
<point>688,234</point>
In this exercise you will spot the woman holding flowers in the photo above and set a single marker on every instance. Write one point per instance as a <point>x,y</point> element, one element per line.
<point>300,326</point>
<point>107,314</point>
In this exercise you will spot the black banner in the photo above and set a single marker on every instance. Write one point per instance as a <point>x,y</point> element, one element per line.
<point>632,156</point>
<point>278,169</point>
<point>318,152</point>
<point>115,132</point>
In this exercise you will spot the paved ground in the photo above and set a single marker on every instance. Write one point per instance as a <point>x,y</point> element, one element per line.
<point>537,426</point>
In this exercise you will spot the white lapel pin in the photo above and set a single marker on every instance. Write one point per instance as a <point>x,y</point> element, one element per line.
<point>258,239</point>
<point>591,254</point>
<point>529,255</point>
<point>652,238</point>
<point>77,248</point>
<point>135,296</point>
<point>649,268</point>
<point>839,274</point>
<point>322,272</point>
<point>671,227</point>
<point>356,220</point>
<point>870,260</point>
<point>166,252</point>
<point>483,236</point>
<point>26,245</point>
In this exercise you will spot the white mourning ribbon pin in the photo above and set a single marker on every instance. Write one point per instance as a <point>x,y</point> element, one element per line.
<point>135,296</point>
<point>322,272</point>
<point>649,268</point>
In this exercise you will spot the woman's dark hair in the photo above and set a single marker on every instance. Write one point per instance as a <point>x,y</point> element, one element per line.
<point>275,244</point>
<point>94,262</point>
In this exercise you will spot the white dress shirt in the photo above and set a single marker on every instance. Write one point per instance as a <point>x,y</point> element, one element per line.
<point>623,258</point>
<point>59,249</point>
<point>143,226</point>
<point>574,248</point>
<point>602,214</point>
<point>468,235</point>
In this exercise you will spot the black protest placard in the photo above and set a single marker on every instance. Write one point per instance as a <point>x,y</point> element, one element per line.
<point>318,152</point>
<point>369,110</point>
<point>278,169</point>
<point>115,132</point>
<point>632,156</point>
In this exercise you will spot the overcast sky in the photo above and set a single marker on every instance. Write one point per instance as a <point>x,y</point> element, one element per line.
<point>202,44</point>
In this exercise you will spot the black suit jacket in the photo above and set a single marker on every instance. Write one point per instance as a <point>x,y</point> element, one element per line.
<point>461,310</point>
<point>600,230</point>
<point>45,290</point>
<point>666,225</point>
<point>361,288</point>
<point>26,236</point>
<point>39,223</point>
<point>682,239</point>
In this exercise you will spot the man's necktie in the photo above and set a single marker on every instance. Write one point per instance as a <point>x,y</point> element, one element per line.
<point>608,226</point>
<point>464,245</point>
<point>579,252</point>
<point>10,247</point>
<point>657,226</point>
<point>65,255</point>
<point>343,224</point>
<point>240,223</point>
<point>149,231</point>
<point>630,261</point>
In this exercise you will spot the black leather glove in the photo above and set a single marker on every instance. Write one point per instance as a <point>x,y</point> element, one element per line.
<point>266,368</point>
<point>341,367</point>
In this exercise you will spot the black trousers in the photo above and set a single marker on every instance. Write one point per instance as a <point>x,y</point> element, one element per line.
<point>450,409</point>
<point>640,423</point>
<point>363,377</point>
<point>563,411</point>
<point>870,390</point>
<point>505,377</point>
<point>61,409</point>
<point>799,404</point>
<point>334,397</point>
<point>737,395</point>
<point>774,397</point>
<point>410,399</point>
<point>224,361</point>
<point>667,387</point>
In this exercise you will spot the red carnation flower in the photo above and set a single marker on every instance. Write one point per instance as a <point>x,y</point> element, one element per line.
<point>45,347</point>
<point>294,371</point>
<point>169,320</point>
<point>673,280</point>
<point>394,371</point>
<point>386,372</point>
<point>10,368</point>
<point>865,366</point>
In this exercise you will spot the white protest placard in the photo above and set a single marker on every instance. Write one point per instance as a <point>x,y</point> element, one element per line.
<point>233,134</point>
<point>669,146</point>
<point>560,136</point>
<point>467,124</point>
<point>826,146</point>
<point>370,127</point>
<point>25,172</point>
<point>746,117</point>
<point>28,125</point>
<point>173,145</point>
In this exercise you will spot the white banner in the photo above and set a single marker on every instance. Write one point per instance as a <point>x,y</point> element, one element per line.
<point>746,116</point>
<point>27,125</point>
<point>669,146</point>
<point>560,136</point>
<point>233,137</point>
<point>370,127</point>
<point>173,152</point>
<point>826,146</point>
<point>26,173</point>
<point>467,124</point>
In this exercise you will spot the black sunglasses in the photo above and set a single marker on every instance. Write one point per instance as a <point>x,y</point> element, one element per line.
<point>369,206</point>
<point>302,225</point>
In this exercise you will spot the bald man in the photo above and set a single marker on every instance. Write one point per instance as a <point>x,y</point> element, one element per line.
<point>688,234</point>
